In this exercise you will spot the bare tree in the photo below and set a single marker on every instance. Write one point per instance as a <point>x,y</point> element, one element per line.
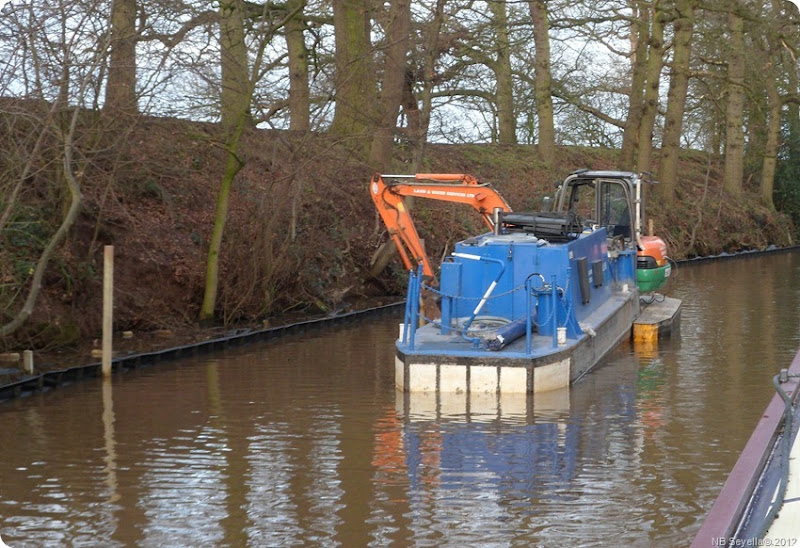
<point>733,174</point>
<point>423,72</point>
<point>121,97</point>
<point>501,66</point>
<point>299,97</point>
<point>394,77</point>
<point>237,94</point>
<point>542,81</point>
<point>655,64</point>
<point>56,127</point>
<point>682,25</point>
<point>770,56</point>
<point>356,87</point>
<point>640,36</point>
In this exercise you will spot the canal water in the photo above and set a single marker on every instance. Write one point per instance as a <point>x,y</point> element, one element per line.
<point>306,442</point>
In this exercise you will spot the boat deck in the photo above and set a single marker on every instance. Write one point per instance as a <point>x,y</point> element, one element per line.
<point>740,515</point>
<point>448,363</point>
<point>430,341</point>
<point>786,525</point>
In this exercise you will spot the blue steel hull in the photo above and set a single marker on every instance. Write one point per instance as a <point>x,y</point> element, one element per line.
<point>576,286</point>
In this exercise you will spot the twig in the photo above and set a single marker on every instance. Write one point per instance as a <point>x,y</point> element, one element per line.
<point>700,205</point>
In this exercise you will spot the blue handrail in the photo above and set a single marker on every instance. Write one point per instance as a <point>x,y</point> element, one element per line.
<point>554,290</point>
<point>407,313</point>
<point>414,290</point>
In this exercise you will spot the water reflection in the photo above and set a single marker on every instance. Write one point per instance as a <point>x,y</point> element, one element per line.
<point>531,470</point>
<point>307,441</point>
<point>108,435</point>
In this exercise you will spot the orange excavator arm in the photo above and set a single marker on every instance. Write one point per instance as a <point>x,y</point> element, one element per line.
<point>388,193</point>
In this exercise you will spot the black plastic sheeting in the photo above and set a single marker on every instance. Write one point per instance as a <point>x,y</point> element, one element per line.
<point>52,379</point>
<point>739,254</point>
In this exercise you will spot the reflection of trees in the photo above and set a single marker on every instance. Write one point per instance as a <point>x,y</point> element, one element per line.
<point>298,443</point>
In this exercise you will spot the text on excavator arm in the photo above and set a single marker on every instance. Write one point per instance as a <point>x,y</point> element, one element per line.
<point>388,193</point>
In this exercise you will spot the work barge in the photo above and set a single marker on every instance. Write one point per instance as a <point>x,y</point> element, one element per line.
<point>537,302</point>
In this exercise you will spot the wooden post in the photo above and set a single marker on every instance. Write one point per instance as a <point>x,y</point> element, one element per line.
<point>27,361</point>
<point>650,227</point>
<point>108,306</point>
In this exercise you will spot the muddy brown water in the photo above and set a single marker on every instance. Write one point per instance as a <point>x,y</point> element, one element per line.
<point>306,442</point>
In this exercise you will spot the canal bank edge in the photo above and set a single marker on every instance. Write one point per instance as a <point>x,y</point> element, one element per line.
<point>53,379</point>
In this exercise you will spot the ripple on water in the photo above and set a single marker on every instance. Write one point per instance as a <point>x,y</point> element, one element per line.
<point>306,442</point>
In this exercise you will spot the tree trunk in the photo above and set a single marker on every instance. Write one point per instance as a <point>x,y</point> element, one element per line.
<point>121,82</point>
<point>235,93</point>
<point>232,167</point>
<point>71,215</point>
<point>397,88</point>
<point>356,88</point>
<point>299,98</point>
<point>542,82</point>
<point>504,93</point>
<point>394,80</point>
<point>410,106</point>
<point>640,34</point>
<point>655,62</point>
<point>428,70</point>
<point>733,173</point>
<point>773,54</point>
<point>676,99</point>
<point>773,141</point>
<point>793,115</point>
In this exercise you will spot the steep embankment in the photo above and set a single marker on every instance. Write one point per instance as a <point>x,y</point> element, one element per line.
<point>301,229</point>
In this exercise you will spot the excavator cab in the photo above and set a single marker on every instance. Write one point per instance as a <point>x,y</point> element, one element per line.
<point>613,199</point>
<point>600,202</point>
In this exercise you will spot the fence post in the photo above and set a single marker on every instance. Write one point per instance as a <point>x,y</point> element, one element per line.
<point>27,361</point>
<point>108,306</point>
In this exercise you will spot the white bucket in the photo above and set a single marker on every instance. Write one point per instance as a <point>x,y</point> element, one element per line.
<point>402,331</point>
<point>561,336</point>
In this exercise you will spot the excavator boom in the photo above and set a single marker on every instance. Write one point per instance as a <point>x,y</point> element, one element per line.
<point>389,192</point>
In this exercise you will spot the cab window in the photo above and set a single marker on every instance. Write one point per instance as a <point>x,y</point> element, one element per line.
<point>614,211</point>
<point>582,201</point>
